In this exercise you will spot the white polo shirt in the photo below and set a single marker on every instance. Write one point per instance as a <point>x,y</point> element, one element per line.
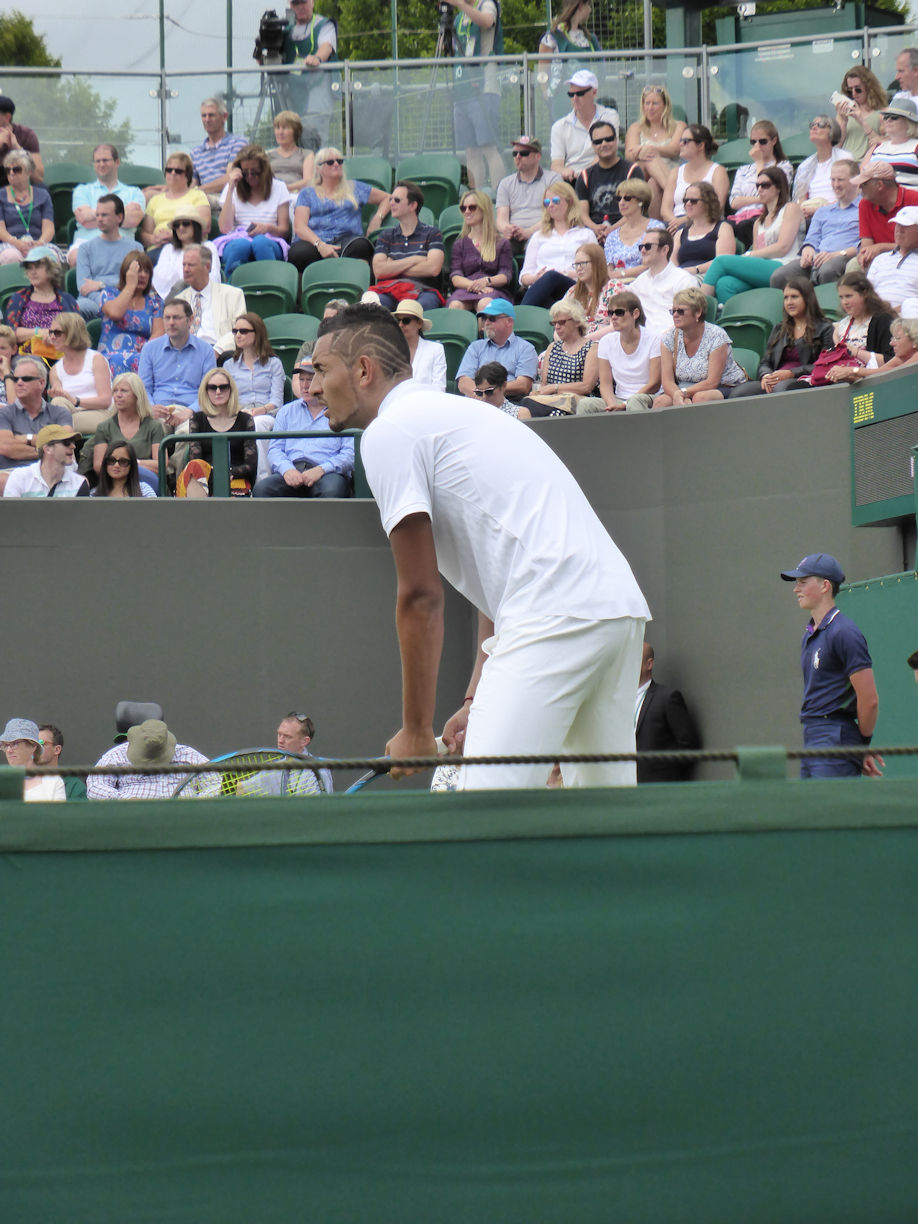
<point>894,276</point>
<point>29,482</point>
<point>513,530</point>
<point>656,291</point>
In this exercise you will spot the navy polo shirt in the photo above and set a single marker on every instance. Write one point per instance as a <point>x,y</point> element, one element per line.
<point>831,652</point>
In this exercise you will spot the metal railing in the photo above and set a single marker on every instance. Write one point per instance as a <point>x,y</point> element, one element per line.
<point>220,454</point>
<point>398,108</point>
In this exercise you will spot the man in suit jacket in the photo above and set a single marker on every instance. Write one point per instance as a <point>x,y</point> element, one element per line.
<point>215,307</point>
<point>663,722</point>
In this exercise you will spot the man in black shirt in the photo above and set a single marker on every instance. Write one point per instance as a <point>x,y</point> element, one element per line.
<point>596,185</point>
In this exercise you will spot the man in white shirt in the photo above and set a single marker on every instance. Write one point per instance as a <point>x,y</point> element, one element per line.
<point>907,74</point>
<point>53,474</point>
<point>571,147</point>
<point>491,507</point>
<point>894,274</point>
<point>214,307</point>
<point>660,280</point>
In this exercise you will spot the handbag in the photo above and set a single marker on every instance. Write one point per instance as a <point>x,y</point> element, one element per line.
<point>839,354</point>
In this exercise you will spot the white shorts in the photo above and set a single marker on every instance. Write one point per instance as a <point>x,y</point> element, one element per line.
<point>556,686</point>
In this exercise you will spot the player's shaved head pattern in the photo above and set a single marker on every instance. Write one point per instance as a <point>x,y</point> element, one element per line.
<point>368,331</point>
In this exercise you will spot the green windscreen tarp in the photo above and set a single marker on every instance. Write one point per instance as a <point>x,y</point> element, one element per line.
<point>672,1005</point>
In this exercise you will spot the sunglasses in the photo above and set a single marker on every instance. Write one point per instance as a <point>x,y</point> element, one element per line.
<point>217,387</point>
<point>687,140</point>
<point>648,246</point>
<point>760,140</point>
<point>182,224</point>
<point>561,322</point>
<point>605,140</point>
<point>853,89</point>
<point>762,186</point>
<point>114,461</point>
<point>551,200</point>
<point>577,93</point>
<point>252,172</point>
<point>629,198</point>
<point>404,320</point>
<point>481,392</point>
<point>175,169</point>
<point>680,310</point>
<point>820,123</point>
<point>618,312</point>
<point>524,152</point>
<point>691,199</point>
<point>55,331</point>
<point>465,208</point>
<point>333,161</point>
<point>242,331</point>
<point>16,170</point>
<point>26,378</point>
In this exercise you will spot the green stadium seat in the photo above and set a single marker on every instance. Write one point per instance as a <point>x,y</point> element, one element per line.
<point>827,297</point>
<point>455,330</point>
<point>287,333</point>
<point>12,279</point>
<point>333,278</point>
<point>376,171</point>
<point>534,324</point>
<point>748,359</point>
<point>437,174</point>
<point>270,286</point>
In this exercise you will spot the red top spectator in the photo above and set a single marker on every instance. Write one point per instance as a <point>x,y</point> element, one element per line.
<point>882,197</point>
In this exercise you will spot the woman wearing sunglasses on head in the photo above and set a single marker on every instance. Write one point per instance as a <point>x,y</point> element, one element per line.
<point>653,142</point>
<point>813,180</point>
<point>764,150</point>
<point>326,219</point>
<point>481,262</point>
<point>82,377</point>
<point>119,474</point>
<point>548,269</point>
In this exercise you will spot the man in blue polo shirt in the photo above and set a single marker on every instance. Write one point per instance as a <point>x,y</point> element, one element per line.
<point>839,692</point>
<point>516,355</point>
<point>172,366</point>
<point>833,236</point>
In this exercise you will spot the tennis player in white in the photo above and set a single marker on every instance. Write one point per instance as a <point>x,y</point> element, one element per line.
<point>466,491</point>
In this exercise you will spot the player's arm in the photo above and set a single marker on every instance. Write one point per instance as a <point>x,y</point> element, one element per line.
<point>454,730</point>
<point>419,623</point>
<point>868,705</point>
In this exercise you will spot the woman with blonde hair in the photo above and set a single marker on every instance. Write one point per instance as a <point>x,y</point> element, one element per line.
<point>481,263</point>
<point>219,411</point>
<point>26,211</point>
<point>697,363</point>
<point>653,141</point>
<point>82,378</point>
<point>179,196</point>
<point>290,163</point>
<point>569,370</point>
<point>548,267</point>
<point>622,245</point>
<point>327,220</point>
<point>254,211</point>
<point>131,421</point>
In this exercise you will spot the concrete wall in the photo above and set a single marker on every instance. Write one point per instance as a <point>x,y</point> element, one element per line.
<point>231,613</point>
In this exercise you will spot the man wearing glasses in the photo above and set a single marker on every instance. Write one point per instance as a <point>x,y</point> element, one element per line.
<point>596,186</point>
<point>306,467</point>
<point>53,475</point>
<point>27,415</point>
<point>660,280</point>
<point>409,252</point>
<point>516,355</point>
<point>519,195</point>
<point>98,260</point>
<point>86,197</point>
<point>571,147</point>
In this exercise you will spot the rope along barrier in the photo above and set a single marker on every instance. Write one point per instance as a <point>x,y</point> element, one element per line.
<point>385,765</point>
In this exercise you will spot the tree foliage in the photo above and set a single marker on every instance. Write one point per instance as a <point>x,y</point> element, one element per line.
<point>20,45</point>
<point>69,116</point>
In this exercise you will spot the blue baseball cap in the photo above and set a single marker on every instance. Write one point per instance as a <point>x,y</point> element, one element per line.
<point>498,307</point>
<point>816,565</point>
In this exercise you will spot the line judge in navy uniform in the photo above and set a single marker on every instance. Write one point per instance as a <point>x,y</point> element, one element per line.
<point>840,700</point>
<point>663,724</point>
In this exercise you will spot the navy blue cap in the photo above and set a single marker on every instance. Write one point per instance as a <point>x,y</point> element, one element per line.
<point>816,565</point>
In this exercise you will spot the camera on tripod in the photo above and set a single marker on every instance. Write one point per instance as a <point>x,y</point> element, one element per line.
<point>269,44</point>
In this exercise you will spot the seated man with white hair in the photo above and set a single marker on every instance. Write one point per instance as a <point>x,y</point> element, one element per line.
<point>30,411</point>
<point>894,274</point>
